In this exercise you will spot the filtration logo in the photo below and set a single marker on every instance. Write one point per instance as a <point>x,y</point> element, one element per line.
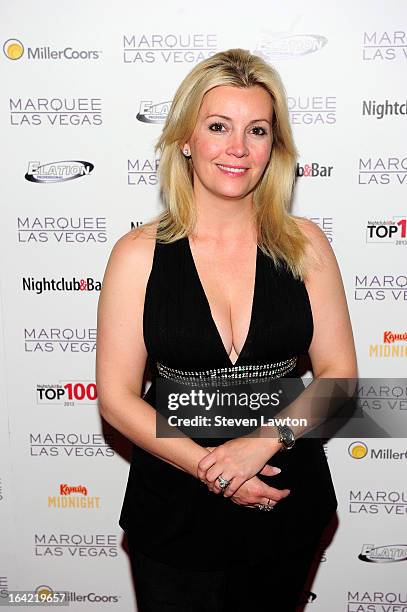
<point>168,48</point>
<point>383,601</point>
<point>392,553</point>
<point>326,224</point>
<point>390,346</point>
<point>153,113</point>
<point>73,496</point>
<point>380,287</point>
<point>75,545</point>
<point>359,450</point>
<point>57,172</point>
<point>142,172</point>
<point>14,49</point>
<point>67,340</point>
<point>62,230</point>
<point>61,284</point>
<point>66,393</point>
<point>55,112</point>
<point>46,444</point>
<point>383,109</point>
<point>382,171</point>
<point>392,231</point>
<point>279,46</point>
<point>314,169</point>
<point>378,502</point>
<point>384,45</point>
<point>312,110</point>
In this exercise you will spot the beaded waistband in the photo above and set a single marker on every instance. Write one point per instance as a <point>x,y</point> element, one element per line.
<point>229,375</point>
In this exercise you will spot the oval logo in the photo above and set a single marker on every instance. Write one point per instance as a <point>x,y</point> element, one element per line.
<point>357,450</point>
<point>288,47</point>
<point>58,172</point>
<point>385,554</point>
<point>13,49</point>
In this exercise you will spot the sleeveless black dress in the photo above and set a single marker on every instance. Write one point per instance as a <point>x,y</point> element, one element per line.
<point>171,516</point>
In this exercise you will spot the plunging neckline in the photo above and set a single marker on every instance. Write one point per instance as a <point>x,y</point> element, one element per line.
<point>208,307</point>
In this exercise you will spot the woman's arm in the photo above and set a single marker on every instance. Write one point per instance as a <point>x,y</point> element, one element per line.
<point>121,354</point>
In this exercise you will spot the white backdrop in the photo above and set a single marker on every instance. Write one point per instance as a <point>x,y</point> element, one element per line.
<point>88,84</point>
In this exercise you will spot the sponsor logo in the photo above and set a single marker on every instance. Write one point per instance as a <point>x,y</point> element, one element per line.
<point>39,286</point>
<point>67,340</point>
<point>314,169</point>
<point>378,502</point>
<point>62,230</point>
<point>381,287</point>
<point>386,46</point>
<point>55,112</point>
<point>326,224</point>
<point>383,395</point>
<point>135,224</point>
<point>73,496</point>
<point>46,444</point>
<point>388,231</point>
<point>75,545</point>
<point>360,450</point>
<point>390,346</point>
<point>57,172</point>
<point>153,113</point>
<point>366,601</point>
<point>276,46</point>
<point>142,172</point>
<point>382,109</point>
<point>357,450</point>
<point>168,48</point>
<point>382,171</point>
<point>73,596</point>
<point>312,110</point>
<point>67,393</point>
<point>392,553</point>
<point>14,49</point>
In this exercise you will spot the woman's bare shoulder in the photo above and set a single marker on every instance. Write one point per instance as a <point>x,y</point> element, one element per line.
<point>318,251</point>
<point>136,247</point>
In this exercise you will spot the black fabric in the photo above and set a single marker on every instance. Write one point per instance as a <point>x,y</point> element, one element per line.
<point>275,586</point>
<point>171,516</point>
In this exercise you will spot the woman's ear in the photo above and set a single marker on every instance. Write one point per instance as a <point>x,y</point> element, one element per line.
<point>186,150</point>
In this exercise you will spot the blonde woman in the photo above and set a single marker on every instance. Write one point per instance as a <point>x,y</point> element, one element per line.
<point>225,281</point>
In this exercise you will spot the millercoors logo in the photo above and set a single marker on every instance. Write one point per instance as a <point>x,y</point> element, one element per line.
<point>357,450</point>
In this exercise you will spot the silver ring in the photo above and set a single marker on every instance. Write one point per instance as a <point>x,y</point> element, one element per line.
<point>265,507</point>
<point>223,483</point>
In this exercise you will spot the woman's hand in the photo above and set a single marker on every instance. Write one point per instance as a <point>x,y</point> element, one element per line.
<point>255,491</point>
<point>237,461</point>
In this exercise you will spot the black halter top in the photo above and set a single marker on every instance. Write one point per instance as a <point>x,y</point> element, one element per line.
<point>172,515</point>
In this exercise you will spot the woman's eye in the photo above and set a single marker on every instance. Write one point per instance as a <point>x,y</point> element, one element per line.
<point>259,131</point>
<point>216,127</point>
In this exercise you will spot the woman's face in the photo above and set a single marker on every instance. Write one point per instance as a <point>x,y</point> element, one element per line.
<point>232,140</point>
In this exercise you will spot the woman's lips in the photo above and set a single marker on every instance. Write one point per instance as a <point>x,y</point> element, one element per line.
<point>232,170</point>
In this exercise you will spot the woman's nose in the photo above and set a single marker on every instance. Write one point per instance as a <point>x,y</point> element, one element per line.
<point>237,145</point>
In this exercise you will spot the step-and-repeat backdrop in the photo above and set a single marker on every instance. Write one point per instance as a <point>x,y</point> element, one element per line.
<point>85,89</point>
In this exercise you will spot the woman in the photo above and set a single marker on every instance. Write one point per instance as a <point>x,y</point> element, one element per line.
<point>225,279</point>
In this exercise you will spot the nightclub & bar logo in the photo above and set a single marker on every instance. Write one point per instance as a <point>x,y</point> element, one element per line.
<point>66,393</point>
<point>76,285</point>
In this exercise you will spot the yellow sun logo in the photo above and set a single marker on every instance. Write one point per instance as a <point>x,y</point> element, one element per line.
<point>357,450</point>
<point>13,49</point>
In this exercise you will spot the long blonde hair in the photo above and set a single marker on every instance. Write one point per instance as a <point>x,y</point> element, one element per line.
<point>278,234</point>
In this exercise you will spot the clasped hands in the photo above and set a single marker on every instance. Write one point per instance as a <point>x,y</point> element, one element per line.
<point>238,461</point>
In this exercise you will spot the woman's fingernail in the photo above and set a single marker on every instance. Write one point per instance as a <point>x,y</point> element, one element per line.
<point>276,470</point>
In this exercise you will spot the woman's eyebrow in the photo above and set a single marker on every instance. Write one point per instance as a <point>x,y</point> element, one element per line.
<point>229,119</point>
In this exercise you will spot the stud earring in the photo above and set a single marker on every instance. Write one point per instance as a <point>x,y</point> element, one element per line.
<point>186,152</point>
